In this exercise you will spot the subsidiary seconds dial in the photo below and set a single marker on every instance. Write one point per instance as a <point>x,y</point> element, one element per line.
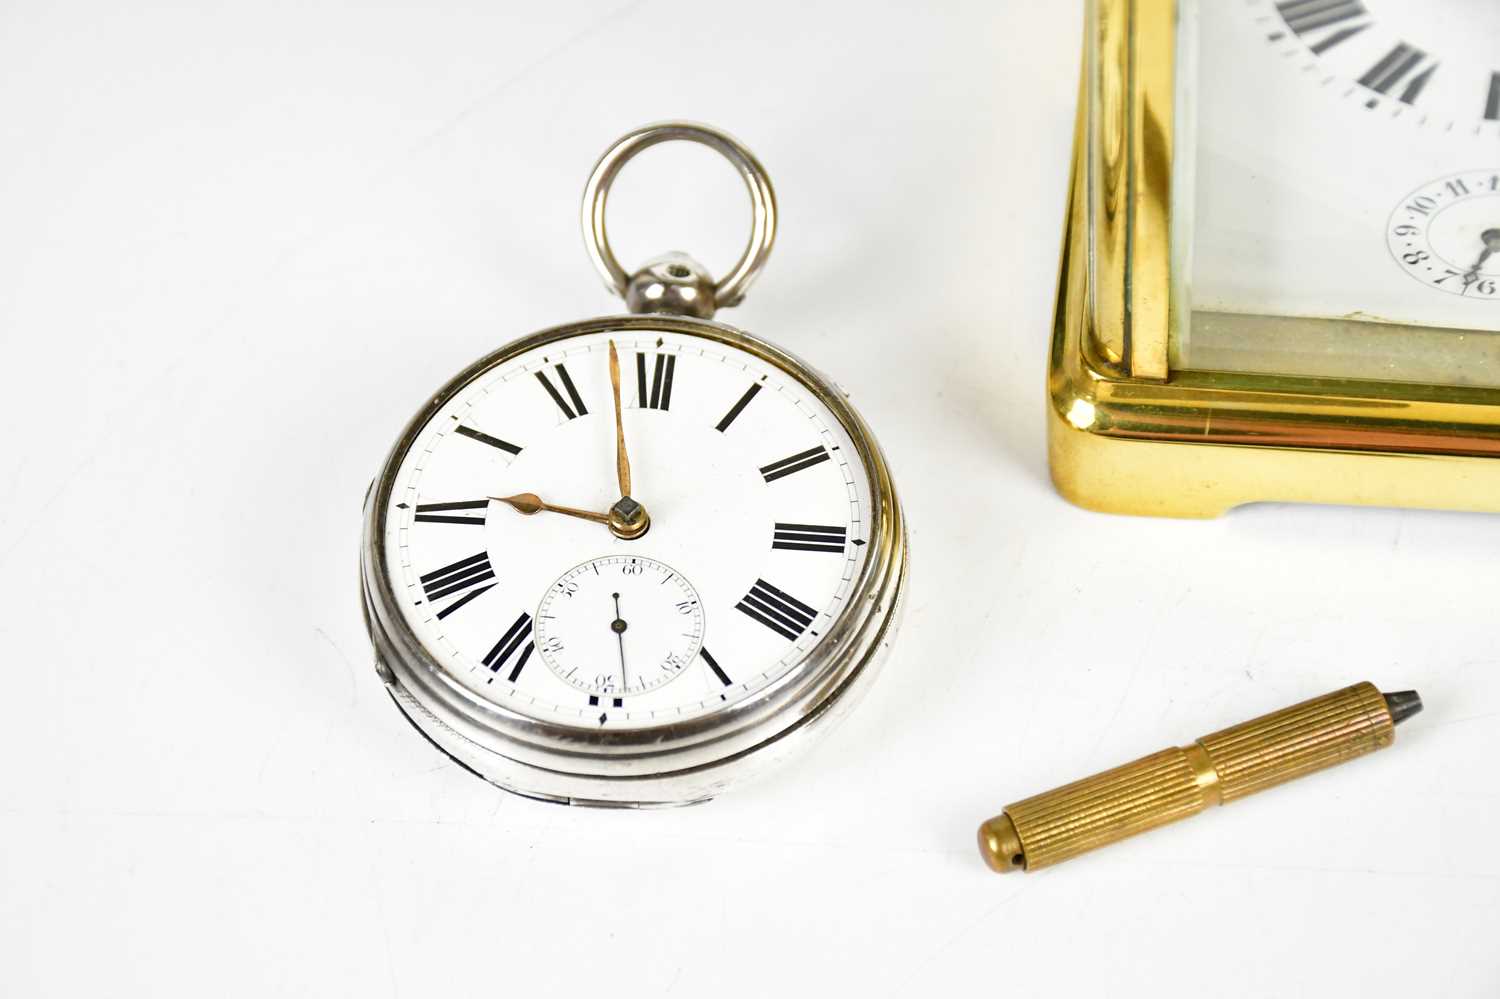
<point>1446,234</point>
<point>619,625</point>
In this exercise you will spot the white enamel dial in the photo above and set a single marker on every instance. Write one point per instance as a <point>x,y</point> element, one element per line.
<point>1306,130</point>
<point>1437,61</point>
<point>619,625</point>
<point>759,509</point>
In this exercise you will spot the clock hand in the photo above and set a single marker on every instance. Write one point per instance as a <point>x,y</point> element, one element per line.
<point>531,503</point>
<point>622,460</point>
<point>628,520</point>
<point>618,626</point>
<point>1491,239</point>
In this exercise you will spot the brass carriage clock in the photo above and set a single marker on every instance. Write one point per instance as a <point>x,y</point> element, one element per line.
<point>1281,269</point>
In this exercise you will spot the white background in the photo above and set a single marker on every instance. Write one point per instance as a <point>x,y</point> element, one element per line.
<point>241,241</point>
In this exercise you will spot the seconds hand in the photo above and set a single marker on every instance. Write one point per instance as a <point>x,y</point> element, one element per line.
<point>618,626</point>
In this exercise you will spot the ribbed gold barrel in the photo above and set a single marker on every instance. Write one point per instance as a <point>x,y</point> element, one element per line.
<point>1300,739</point>
<point>1176,783</point>
<point>1097,810</point>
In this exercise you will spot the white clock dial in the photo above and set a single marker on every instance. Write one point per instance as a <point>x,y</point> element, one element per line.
<point>759,509</point>
<point>1300,126</point>
<point>1438,60</point>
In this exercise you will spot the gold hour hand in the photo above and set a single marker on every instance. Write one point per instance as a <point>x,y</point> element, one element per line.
<point>622,459</point>
<point>531,503</point>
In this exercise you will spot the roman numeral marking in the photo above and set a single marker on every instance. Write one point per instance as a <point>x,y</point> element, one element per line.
<point>571,412</point>
<point>718,671</point>
<point>1492,102</point>
<point>810,538</point>
<point>1303,16</point>
<point>1342,35</point>
<point>796,463</point>
<point>738,408</point>
<point>484,438</point>
<point>661,381</point>
<point>438,513</point>
<point>1396,66</point>
<point>781,612</point>
<point>465,574</point>
<point>509,645</point>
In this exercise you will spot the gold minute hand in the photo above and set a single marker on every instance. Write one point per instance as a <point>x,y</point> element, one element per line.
<point>530,503</point>
<point>622,460</point>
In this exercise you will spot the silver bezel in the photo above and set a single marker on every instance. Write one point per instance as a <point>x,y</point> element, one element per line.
<point>673,763</point>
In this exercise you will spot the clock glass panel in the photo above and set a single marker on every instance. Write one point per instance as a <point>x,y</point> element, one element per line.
<point>1336,189</point>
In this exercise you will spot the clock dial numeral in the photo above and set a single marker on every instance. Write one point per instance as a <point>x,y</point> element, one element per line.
<point>509,645</point>
<point>1397,65</point>
<point>1421,205</point>
<point>439,513</point>
<point>777,610</point>
<point>1342,35</point>
<point>571,412</point>
<point>810,538</point>
<point>1492,100</point>
<point>467,574</point>
<point>796,463</point>
<point>737,408</point>
<point>660,395</point>
<point>718,670</point>
<point>1303,16</point>
<point>484,438</point>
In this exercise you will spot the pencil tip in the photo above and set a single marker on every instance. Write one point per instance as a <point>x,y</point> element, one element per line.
<point>1402,704</point>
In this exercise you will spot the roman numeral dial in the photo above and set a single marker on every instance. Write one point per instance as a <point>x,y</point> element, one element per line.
<point>1396,55</point>
<point>486,439</point>
<point>468,576</point>
<point>498,543</point>
<point>737,408</point>
<point>572,407</point>
<point>513,649</point>
<point>1308,16</point>
<point>452,513</point>
<point>713,665</point>
<point>796,463</point>
<point>777,610</point>
<point>1404,69</point>
<point>655,392</point>
<point>810,538</point>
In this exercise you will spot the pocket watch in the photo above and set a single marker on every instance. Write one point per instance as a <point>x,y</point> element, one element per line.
<point>1282,272</point>
<point>631,560</point>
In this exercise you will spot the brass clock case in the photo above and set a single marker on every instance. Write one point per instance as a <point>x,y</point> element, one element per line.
<point>1126,432</point>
